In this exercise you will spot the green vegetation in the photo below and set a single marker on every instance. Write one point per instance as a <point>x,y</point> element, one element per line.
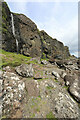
<point>66,87</point>
<point>51,116</point>
<point>33,62</point>
<point>55,80</point>
<point>79,105</point>
<point>3,117</point>
<point>44,56</point>
<point>39,96</point>
<point>49,87</point>
<point>12,59</point>
<point>33,115</point>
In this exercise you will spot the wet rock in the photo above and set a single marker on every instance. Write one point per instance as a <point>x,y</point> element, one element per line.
<point>25,70</point>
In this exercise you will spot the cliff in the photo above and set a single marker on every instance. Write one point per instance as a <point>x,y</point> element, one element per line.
<point>31,41</point>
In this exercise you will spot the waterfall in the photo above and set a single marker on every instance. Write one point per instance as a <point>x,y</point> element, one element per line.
<point>13,30</point>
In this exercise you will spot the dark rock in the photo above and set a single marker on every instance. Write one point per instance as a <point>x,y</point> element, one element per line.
<point>31,41</point>
<point>52,60</point>
<point>69,80</point>
<point>25,70</point>
<point>61,64</point>
<point>8,40</point>
<point>53,47</point>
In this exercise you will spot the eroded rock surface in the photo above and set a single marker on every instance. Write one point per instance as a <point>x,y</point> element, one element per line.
<point>26,97</point>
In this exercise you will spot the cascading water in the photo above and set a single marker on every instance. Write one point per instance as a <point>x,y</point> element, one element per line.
<point>13,30</point>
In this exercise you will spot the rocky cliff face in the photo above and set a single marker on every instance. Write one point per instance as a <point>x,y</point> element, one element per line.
<point>31,41</point>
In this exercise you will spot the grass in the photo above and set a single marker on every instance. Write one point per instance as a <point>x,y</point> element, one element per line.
<point>39,96</point>
<point>3,117</point>
<point>49,87</point>
<point>66,87</point>
<point>55,80</point>
<point>33,115</point>
<point>51,116</point>
<point>13,59</point>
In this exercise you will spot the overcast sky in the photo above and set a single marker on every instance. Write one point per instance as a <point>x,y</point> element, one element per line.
<point>58,19</point>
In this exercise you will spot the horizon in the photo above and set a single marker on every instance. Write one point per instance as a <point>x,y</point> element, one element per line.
<point>50,16</point>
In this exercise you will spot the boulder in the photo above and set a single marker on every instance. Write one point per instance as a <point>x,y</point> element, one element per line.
<point>57,76</point>
<point>74,90</point>
<point>25,70</point>
<point>69,80</point>
<point>61,64</point>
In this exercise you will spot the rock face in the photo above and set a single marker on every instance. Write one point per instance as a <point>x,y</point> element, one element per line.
<point>8,40</point>
<point>31,41</point>
<point>53,47</point>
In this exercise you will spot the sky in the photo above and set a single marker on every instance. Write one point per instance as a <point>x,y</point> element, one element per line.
<point>59,19</point>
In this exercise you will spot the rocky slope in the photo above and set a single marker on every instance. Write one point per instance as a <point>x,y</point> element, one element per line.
<point>34,88</point>
<point>31,41</point>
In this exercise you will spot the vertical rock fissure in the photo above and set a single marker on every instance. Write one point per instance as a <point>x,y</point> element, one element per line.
<point>13,30</point>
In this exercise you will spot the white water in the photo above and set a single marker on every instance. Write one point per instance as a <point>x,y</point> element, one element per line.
<point>13,30</point>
